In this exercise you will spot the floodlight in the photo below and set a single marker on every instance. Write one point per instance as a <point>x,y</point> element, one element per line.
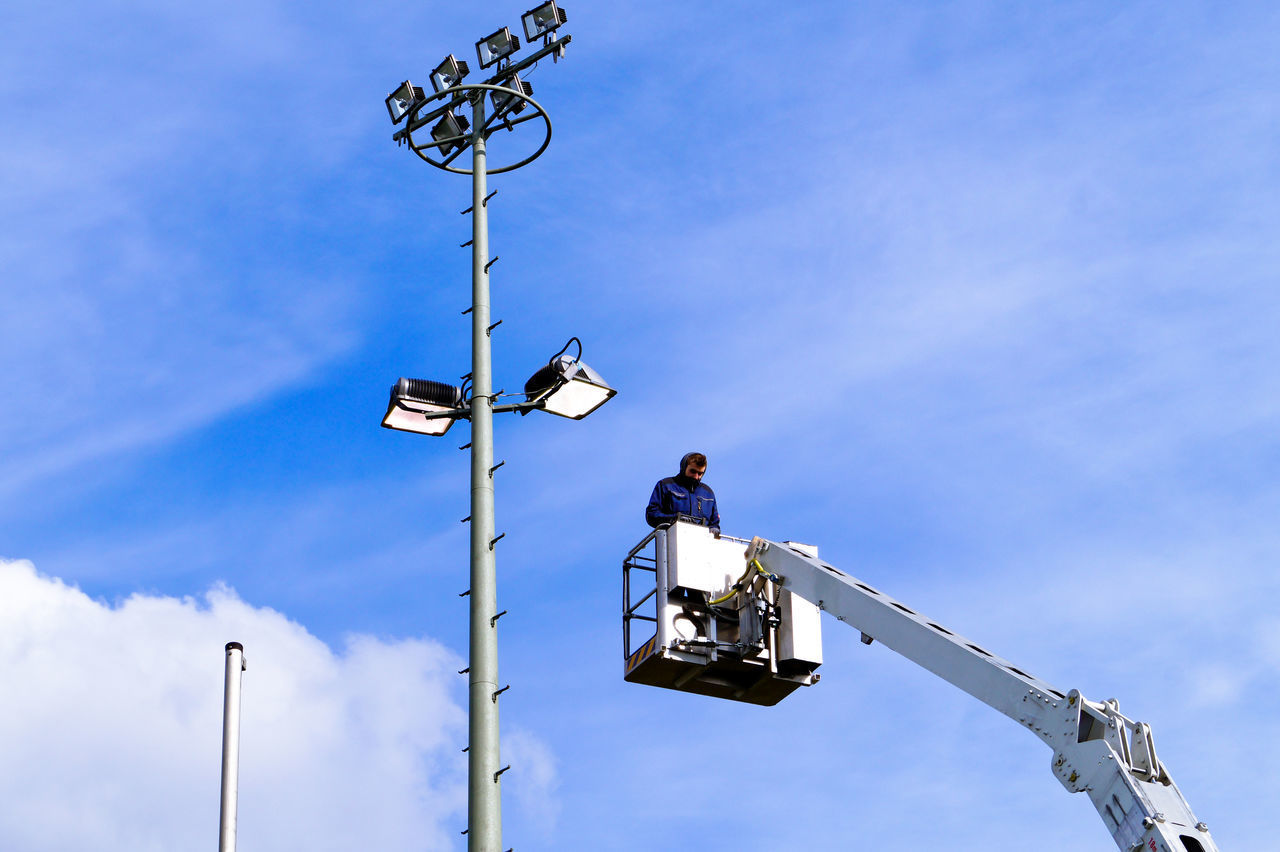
<point>449,126</point>
<point>495,47</point>
<point>542,20</point>
<point>448,73</point>
<point>412,398</point>
<point>402,100</point>
<point>568,387</point>
<point>503,101</point>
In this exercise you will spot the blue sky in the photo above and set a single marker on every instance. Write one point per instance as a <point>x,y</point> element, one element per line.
<point>979,297</point>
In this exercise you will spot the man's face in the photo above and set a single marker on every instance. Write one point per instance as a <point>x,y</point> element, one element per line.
<point>694,472</point>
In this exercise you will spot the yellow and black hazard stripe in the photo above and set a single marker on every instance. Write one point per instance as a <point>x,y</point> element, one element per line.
<point>641,654</point>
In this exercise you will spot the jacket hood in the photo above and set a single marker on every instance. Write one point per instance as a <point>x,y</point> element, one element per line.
<point>686,481</point>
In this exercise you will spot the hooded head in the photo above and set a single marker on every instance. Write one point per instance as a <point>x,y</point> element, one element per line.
<point>699,462</point>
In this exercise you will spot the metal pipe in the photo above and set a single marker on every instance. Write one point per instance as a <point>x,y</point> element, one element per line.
<point>638,603</point>
<point>484,790</point>
<point>640,546</point>
<point>660,578</point>
<point>626,609</point>
<point>230,747</point>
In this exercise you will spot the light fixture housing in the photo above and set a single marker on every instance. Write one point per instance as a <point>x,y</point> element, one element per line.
<point>541,20</point>
<point>412,398</point>
<point>568,387</point>
<point>496,47</point>
<point>503,102</point>
<point>402,100</point>
<point>449,73</point>
<point>450,125</point>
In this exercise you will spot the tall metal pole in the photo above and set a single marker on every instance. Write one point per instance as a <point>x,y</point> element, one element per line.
<point>484,790</point>
<point>230,747</point>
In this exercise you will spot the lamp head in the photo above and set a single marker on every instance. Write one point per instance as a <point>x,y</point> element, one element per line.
<point>541,20</point>
<point>402,100</point>
<point>448,73</point>
<point>568,387</point>
<point>496,47</point>
<point>503,102</point>
<point>447,128</point>
<point>411,399</point>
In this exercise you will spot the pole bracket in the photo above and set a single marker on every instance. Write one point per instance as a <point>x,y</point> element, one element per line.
<point>489,330</point>
<point>494,621</point>
<point>495,467</point>
<point>499,692</point>
<point>464,594</point>
<point>496,540</point>
<point>485,203</point>
<point>464,446</point>
<point>467,243</point>
<point>499,772</point>
<point>491,263</point>
<point>464,671</point>
<point>467,518</point>
<point>467,311</point>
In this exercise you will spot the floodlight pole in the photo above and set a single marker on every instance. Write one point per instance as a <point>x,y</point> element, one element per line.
<point>484,787</point>
<point>230,747</point>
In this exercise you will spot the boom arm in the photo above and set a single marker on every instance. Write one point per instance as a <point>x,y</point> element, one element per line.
<point>1096,750</point>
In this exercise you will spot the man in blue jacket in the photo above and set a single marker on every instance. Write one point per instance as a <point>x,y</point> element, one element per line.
<point>684,496</point>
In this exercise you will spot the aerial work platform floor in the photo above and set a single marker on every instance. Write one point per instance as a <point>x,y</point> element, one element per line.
<point>738,680</point>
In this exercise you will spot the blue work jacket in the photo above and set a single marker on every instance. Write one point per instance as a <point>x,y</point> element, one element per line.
<point>672,499</point>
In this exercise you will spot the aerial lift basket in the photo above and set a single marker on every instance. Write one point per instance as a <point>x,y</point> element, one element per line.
<point>722,626</point>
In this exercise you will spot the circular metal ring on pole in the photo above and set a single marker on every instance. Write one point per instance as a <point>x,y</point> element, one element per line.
<point>539,111</point>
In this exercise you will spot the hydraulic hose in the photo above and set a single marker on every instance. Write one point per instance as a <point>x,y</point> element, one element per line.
<point>754,563</point>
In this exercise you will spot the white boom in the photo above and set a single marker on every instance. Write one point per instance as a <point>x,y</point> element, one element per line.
<point>1096,750</point>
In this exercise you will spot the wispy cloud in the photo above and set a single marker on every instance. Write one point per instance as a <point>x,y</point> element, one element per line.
<point>535,784</point>
<point>115,231</point>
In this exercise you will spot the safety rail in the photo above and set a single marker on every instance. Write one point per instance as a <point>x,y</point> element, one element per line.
<point>636,561</point>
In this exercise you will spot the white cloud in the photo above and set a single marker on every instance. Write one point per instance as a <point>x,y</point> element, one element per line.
<point>534,781</point>
<point>110,727</point>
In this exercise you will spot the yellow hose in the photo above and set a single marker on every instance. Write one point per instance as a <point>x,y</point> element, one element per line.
<point>754,563</point>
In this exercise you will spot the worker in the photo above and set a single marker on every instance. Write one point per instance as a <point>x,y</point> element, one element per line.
<point>684,496</point>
